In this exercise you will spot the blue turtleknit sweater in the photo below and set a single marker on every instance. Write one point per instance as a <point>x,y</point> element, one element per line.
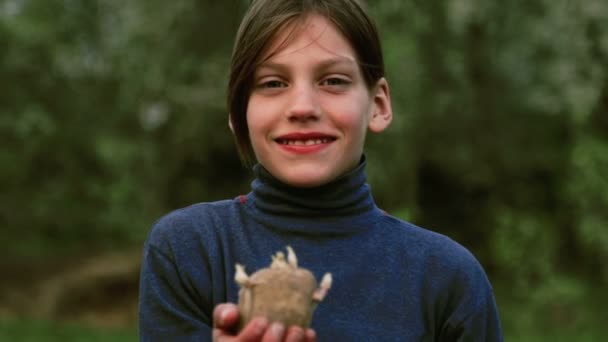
<point>393,281</point>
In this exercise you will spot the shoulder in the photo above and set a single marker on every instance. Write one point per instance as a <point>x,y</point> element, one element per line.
<point>190,223</point>
<point>457,286</point>
<point>444,261</point>
<point>453,285</point>
<point>436,247</point>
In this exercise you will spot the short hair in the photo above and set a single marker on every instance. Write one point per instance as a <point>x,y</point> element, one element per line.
<point>259,26</point>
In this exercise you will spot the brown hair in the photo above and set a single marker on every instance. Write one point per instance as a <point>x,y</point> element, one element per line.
<point>263,20</point>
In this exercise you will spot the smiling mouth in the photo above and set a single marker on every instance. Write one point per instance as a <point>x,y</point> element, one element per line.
<point>304,142</point>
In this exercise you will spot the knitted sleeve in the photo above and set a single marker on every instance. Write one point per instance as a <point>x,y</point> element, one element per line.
<point>472,314</point>
<point>171,307</point>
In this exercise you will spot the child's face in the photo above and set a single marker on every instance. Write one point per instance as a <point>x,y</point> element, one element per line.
<point>310,107</point>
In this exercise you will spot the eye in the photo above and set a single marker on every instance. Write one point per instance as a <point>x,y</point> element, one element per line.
<point>335,81</point>
<point>273,84</point>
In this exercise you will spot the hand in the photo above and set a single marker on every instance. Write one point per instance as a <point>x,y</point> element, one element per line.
<point>226,318</point>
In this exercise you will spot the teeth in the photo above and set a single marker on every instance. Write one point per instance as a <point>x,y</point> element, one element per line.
<point>308,142</point>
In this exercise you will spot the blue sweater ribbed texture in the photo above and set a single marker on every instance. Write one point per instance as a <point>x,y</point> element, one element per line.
<point>393,281</point>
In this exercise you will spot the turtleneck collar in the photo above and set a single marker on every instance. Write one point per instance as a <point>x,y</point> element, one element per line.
<point>344,205</point>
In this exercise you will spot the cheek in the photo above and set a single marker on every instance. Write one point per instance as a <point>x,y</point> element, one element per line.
<point>255,130</point>
<point>352,116</point>
<point>259,125</point>
<point>261,111</point>
<point>255,117</point>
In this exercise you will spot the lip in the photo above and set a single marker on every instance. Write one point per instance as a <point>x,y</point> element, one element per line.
<point>325,141</point>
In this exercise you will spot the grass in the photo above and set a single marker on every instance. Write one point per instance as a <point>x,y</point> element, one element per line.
<point>584,319</point>
<point>516,328</point>
<point>26,330</point>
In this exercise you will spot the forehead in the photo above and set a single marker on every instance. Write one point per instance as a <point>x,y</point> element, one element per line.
<point>312,31</point>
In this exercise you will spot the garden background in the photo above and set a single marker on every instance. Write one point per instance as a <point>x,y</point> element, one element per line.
<point>113,113</point>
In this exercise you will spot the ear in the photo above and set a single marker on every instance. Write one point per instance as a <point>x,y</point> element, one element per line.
<point>382,111</point>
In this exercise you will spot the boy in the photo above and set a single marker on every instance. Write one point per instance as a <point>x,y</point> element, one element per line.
<point>307,83</point>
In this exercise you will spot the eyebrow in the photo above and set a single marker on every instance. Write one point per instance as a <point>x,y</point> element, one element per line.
<point>338,60</point>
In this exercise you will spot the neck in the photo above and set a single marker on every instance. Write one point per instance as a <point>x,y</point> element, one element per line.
<point>340,202</point>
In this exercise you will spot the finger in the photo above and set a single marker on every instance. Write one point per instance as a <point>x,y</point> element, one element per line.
<point>254,330</point>
<point>222,336</point>
<point>295,334</point>
<point>225,316</point>
<point>310,335</point>
<point>274,333</point>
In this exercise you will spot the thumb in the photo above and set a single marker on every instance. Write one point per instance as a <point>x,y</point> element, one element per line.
<point>225,316</point>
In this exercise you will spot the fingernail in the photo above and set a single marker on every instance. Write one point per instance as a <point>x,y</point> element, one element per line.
<point>298,333</point>
<point>277,330</point>
<point>311,334</point>
<point>223,316</point>
<point>260,324</point>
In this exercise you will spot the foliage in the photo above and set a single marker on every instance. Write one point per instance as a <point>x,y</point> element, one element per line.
<point>110,111</point>
<point>504,130</point>
<point>113,113</point>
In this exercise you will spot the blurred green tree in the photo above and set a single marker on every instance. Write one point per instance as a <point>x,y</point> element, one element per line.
<point>113,113</point>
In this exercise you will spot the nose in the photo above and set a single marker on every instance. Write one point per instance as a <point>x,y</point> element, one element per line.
<point>304,105</point>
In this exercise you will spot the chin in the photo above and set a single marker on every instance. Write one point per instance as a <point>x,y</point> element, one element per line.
<point>307,184</point>
<point>306,179</point>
